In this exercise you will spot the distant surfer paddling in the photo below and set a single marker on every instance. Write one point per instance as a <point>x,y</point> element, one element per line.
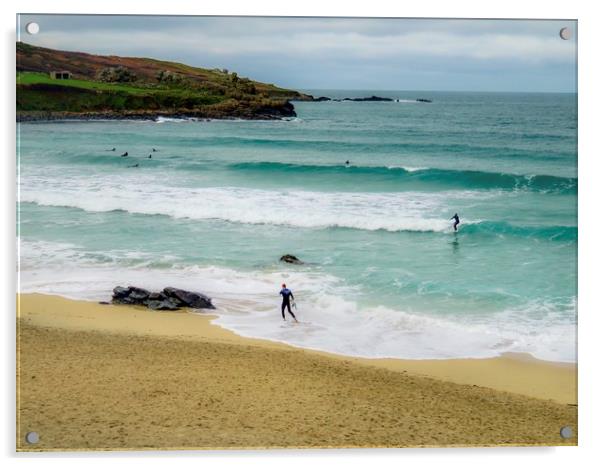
<point>456,220</point>
<point>287,295</point>
<point>125,154</point>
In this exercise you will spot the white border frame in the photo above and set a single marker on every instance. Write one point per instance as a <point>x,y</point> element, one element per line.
<point>589,222</point>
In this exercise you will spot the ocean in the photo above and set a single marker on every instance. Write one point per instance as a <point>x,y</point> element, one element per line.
<point>385,275</point>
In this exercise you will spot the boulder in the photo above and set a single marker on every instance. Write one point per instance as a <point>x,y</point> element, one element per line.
<point>290,259</point>
<point>189,298</point>
<point>166,304</point>
<point>138,294</point>
<point>120,292</point>
<point>130,295</point>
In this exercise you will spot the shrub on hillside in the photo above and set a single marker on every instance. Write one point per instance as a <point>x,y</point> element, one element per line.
<point>119,74</point>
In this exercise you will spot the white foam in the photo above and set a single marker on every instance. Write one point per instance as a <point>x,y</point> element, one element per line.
<point>408,169</point>
<point>162,119</point>
<point>398,211</point>
<point>331,320</point>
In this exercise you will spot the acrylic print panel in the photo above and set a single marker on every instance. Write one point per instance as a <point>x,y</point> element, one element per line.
<point>253,232</point>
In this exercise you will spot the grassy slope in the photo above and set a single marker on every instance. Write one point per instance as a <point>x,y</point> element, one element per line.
<point>200,92</point>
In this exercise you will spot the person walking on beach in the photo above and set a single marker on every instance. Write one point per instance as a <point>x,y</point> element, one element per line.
<point>287,295</point>
<point>456,220</point>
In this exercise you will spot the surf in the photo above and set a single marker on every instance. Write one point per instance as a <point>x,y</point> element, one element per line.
<point>467,179</point>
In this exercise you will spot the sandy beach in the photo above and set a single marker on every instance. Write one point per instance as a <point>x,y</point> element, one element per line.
<point>105,377</point>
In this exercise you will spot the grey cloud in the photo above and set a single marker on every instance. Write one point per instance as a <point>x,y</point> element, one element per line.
<point>323,50</point>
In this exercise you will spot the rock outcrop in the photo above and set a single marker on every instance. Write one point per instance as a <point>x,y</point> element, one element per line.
<point>170,299</point>
<point>372,98</point>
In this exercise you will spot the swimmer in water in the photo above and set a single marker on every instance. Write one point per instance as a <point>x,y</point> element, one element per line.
<point>125,154</point>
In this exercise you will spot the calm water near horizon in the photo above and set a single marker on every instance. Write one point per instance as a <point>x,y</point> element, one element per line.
<point>385,275</point>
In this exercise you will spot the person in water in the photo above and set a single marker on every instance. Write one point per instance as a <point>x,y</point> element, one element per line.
<point>150,156</point>
<point>125,154</point>
<point>286,301</point>
<point>347,163</point>
<point>456,220</point>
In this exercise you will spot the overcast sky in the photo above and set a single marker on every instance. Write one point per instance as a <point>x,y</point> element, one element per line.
<point>336,53</point>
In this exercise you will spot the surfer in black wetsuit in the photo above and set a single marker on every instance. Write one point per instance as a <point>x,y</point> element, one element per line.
<point>125,154</point>
<point>456,220</point>
<point>286,301</point>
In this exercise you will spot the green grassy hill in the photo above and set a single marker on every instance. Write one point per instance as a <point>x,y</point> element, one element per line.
<point>125,87</point>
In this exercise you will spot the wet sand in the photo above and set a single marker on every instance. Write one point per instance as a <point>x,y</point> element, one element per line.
<point>94,376</point>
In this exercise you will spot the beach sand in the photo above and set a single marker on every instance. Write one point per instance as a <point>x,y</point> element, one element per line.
<point>93,376</point>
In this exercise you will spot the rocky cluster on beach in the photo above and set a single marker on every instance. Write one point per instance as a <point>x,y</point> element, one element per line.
<point>170,299</point>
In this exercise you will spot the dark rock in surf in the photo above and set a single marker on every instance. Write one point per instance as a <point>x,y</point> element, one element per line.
<point>322,99</point>
<point>290,259</point>
<point>428,101</point>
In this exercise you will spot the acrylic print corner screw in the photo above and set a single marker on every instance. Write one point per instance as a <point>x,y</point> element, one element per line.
<point>213,230</point>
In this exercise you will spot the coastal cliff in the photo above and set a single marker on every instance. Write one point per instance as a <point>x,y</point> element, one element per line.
<point>109,87</point>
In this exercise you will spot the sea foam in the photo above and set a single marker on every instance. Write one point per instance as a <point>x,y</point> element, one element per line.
<point>398,211</point>
<point>331,319</point>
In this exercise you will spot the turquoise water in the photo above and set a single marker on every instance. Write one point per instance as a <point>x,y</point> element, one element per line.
<point>385,275</point>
